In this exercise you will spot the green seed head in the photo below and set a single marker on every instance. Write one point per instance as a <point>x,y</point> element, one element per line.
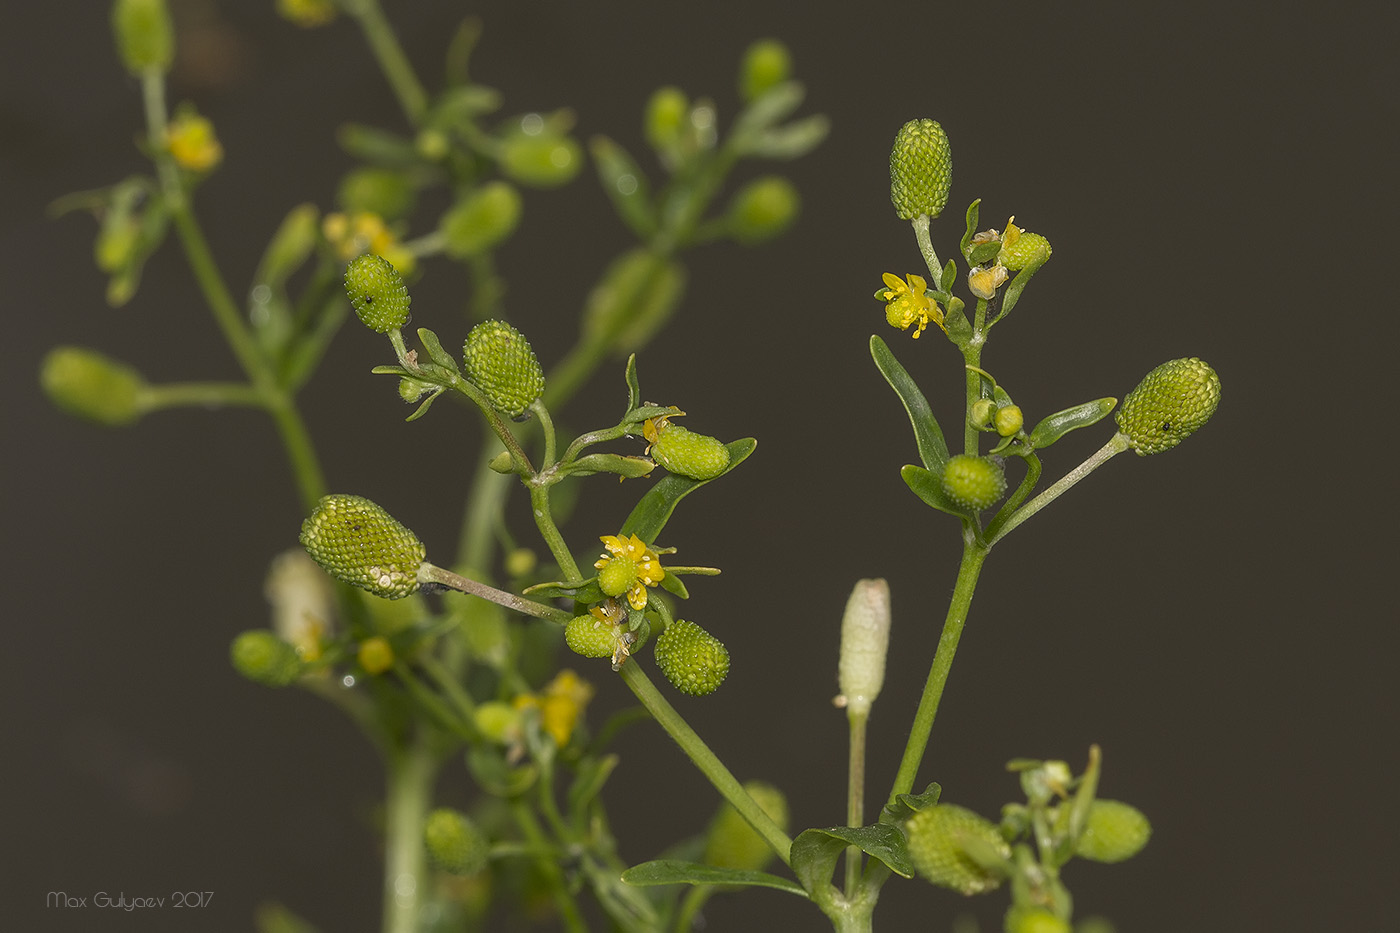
<point>1008,420</point>
<point>480,220</point>
<point>375,655</point>
<point>1033,920</point>
<point>499,360</point>
<point>145,35</point>
<point>973,482</point>
<point>617,575</point>
<point>732,843</point>
<point>454,842</point>
<point>87,384</point>
<point>544,160</point>
<point>1115,831</point>
<point>359,543</point>
<point>1023,249</point>
<point>940,839</point>
<point>766,63</point>
<point>264,658</point>
<point>685,453</point>
<point>1170,403</point>
<point>591,637</point>
<point>378,293</point>
<point>763,209</point>
<point>693,660</point>
<point>921,170</point>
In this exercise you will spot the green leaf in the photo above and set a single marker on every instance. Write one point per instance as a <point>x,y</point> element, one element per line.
<point>436,352</point>
<point>427,402</point>
<point>815,851</point>
<point>625,184</point>
<point>654,510</point>
<point>1018,285</point>
<point>972,212</point>
<point>774,104</point>
<point>672,584</point>
<point>950,275</point>
<point>792,141</point>
<point>585,592</point>
<point>593,773</point>
<point>1056,426</point>
<point>671,871</point>
<point>634,391</point>
<point>629,467</point>
<point>928,486</point>
<point>933,450</point>
<point>906,805</point>
<point>983,252</point>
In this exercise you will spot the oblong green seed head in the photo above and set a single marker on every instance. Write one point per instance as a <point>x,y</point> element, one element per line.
<point>591,637</point>
<point>500,361</point>
<point>378,293</point>
<point>921,169</point>
<point>973,482</point>
<point>1169,405</point>
<point>693,660</point>
<point>454,842</point>
<point>357,542</point>
<point>732,843</point>
<point>1115,831</point>
<point>939,838</point>
<point>685,453</point>
<point>86,383</point>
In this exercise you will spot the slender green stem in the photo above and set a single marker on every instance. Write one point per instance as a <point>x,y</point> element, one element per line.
<point>428,573</point>
<point>451,688</point>
<point>1116,445</point>
<point>1033,470</point>
<point>300,451</point>
<point>704,759</point>
<point>855,795</point>
<point>968,571</point>
<point>935,268</point>
<point>208,394</point>
<point>411,773</point>
<point>392,60</point>
<point>690,905</point>
<point>549,867</point>
<point>432,704</point>
<point>544,520</point>
<point>546,425</point>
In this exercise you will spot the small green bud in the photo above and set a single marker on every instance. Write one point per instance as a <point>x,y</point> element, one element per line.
<point>454,842</point>
<point>376,191</point>
<point>589,636</point>
<point>499,722</point>
<point>973,482</point>
<point>665,117</point>
<point>1033,920</point>
<point>766,63</point>
<point>542,160</point>
<point>1008,420</point>
<point>359,543</point>
<point>693,660</point>
<point>948,845</point>
<point>685,453</point>
<point>981,413</point>
<point>617,575</point>
<point>921,170</point>
<point>264,658</point>
<point>375,655</point>
<point>520,561</point>
<point>762,209</point>
<point>1115,831</point>
<point>87,384</point>
<point>307,13</point>
<point>378,293</point>
<point>865,640</point>
<point>1170,404</point>
<point>1026,249</point>
<point>732,843</point>
<point>411,390</point>
<point>145,35</point>
<point>480,220</point>
<point>499,360</point>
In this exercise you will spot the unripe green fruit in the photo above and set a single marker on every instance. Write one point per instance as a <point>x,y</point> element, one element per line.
<point>973,482</point>
<point>359,543</point>
<point>499,360</point>
<point>685,453</point>
<point>693,660</point>
<point>1170,404</point>
<point>145,35</point>
<point>617,575</point>
<point>545,160</point>
<point>378,293</point>
<point>1115,831</point>
<point>376,191</point>
<point>480,220</point>
<point>1029,249</point>
<point>766,63</point>
<point>375,655</point>
<point>732,843</point>
<point>591,637</point>
<point>264,658</point>
<point>1034,920</point>
<point>665,117</point>
<point>938,840</point>
<point>454,842</point>
<point>1008,420</point>
<point>921,170</point>
<point>85,383</point>
<point>763,209</point>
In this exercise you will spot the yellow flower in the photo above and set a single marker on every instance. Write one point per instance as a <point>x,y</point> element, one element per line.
<point>561,704</point>
<point>983,281</point>
<point>191,141</point>
<point>646,569</point>
<point>366,232</point>
<point>609,612</point>
<point>907,303</point>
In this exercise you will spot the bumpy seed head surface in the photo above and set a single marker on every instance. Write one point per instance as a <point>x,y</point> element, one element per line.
<point>938,838</point>
<point>685,453</point>
<point>591,637</point>
<point>357,542</point>
<point>732,843</point>
<point>454,842</point>
<point>499,360</point>
<point>378,293</point>
<point>921,170</point>
<point>693,660</point>
<point>1029,249</point>
<point>1169,405</point>
<point>1115,831</point>
<point>973,482</point>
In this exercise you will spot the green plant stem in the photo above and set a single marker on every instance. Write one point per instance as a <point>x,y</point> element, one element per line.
<point>392,60</point>
<point>968,571</point>
<point>1033,470</point>
<point>544,520</point>
<point>921,233</point>
<point>548,866</point>
<point>855,795</point>
<point>1116,445</point>
<point>411,774</point>
<point>429,573</point>
<point>704,759</point>
<point>547,426</point>
<point>690,905</point>
<point>208,394</point>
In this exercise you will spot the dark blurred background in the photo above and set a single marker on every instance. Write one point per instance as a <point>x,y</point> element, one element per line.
<point>1216,618</point>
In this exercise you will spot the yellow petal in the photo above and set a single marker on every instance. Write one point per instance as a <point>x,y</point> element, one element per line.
<point>894,282</point>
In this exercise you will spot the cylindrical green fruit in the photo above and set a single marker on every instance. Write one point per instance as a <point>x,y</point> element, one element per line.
<point>454,842</point>
<point>378,293</point>
<point>732,843</point>
<point>144,33</point>
<point>693,660</point>
<point>545,160</point>
<point>264,658</point>
<point>1115,831</point>
<point>939,838</point>
<point>590,636</point>
<point>1029,249</point>
<point>973,482</point>
<point>1033,920</point>
<point>921,170</point>
<point>480,220</point>
<point>85,383</point>
<point>762,209</point>
<point>1169,405</point>
<point>499,360</point>
<point>359,543</point>
<point>685,453</point>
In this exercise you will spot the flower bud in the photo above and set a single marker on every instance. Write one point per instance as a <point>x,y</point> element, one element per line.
<point>983,281</point>
<point>693,660</point>
<point>307,13</point>
<point>378,293</point>
<point>543,160</point>
<point>1170,403</point>
<point>732,843</point>
<point>766,63</point>
<point>865,640</point>
<point>685,453</point>
<point>454,842</point>
<point>973,482</point>
<point>762,209</point>
<point>87,384</point>
<point>500,362</point>
<point>665,117</point>
<point>921,170</point>
<point>950,845</point>
<point>1115,831</point>
<point>375,655</point>
<point>144,34</point>
<point>480,220</point>
<point>192,143</point>
<point>264,658</point>
<point>981,413</point>
<point>1008,420</point>
<point>1033,920</point>
<point>359,543</point>
<point>591,637</point>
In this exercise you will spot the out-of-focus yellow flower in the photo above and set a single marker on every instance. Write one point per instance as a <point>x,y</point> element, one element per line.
<point>634,567</point>
<point>561,703</point>
<point>354,235</point>
<point>307,13</point>
<point>907,303</point>
<point>191,141</point>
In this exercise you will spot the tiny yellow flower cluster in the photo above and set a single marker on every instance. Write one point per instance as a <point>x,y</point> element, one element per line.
<point>191,141</point>
<point>561,703</point>
<point>364,232</point>
<point>648,569</point>
<point>907,304</point>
